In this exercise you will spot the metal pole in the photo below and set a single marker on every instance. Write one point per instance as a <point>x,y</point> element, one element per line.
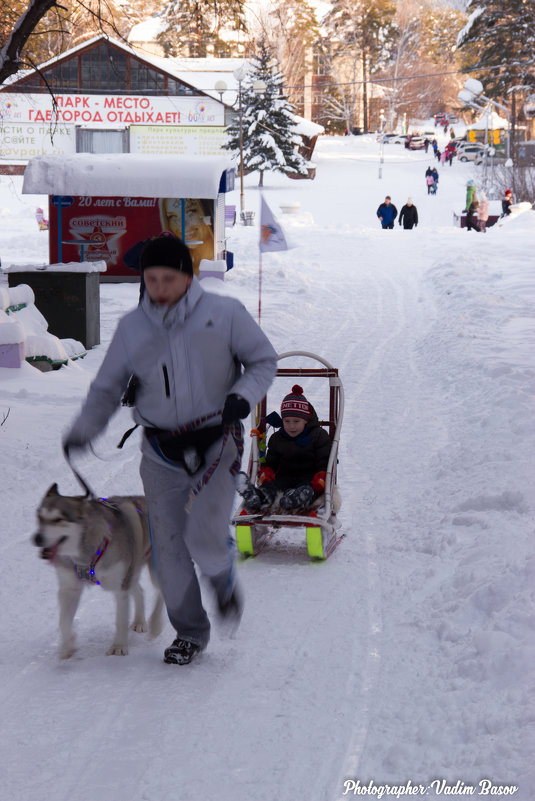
<point>381,149</point>
<point>241,151</point>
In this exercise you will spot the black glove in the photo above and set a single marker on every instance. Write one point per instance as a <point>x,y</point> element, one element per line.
<point>236,408</point>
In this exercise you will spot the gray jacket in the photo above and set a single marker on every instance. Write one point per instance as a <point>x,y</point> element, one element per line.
<point>187,359</point>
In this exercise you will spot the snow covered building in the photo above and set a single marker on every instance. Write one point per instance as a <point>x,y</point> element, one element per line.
<point>105,97</point>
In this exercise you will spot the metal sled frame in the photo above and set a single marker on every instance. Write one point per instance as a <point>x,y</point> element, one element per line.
<point>252,530</point>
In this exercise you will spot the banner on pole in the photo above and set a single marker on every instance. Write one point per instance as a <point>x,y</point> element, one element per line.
<point>272,236</point>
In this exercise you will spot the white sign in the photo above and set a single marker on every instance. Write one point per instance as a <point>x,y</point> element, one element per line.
<point>150,139</point>
<point>23,142</point>
<point>109,111</point>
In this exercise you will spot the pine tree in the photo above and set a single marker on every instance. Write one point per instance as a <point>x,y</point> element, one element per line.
<point>503,32</point>
<point>269,143</point>
<point>364,28</point>
<point>194,25</point>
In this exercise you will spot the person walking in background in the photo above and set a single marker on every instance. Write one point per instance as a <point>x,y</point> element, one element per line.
<point>435,180</point>
<point>387,213</point>
<point>408,215</point>
<point>507,202</point>
<point>483,212</point>
<point>471,206</point>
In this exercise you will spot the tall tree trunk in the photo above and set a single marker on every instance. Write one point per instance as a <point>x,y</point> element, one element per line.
<point>261,179</point>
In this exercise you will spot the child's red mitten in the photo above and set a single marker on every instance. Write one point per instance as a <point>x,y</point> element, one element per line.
<point>266,475</point>
<point>318,482</point>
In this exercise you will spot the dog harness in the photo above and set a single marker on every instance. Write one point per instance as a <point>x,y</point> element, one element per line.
<point>88,573</point>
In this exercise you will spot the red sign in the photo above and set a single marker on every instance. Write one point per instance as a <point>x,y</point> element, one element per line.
<point>107,228</point>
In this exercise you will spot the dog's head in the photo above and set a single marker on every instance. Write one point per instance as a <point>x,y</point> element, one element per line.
<point>59,524</point>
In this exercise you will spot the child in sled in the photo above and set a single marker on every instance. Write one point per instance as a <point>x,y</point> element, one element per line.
<point>296,459</point>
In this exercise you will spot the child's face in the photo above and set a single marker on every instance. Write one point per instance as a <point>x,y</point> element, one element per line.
<point>166,286</point>
<point>293,425</point>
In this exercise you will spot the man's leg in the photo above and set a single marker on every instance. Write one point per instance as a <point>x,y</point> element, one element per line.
<point>167,492</point>
<point>207,526</point>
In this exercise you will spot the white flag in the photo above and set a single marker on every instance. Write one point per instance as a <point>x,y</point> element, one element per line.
<point>271,234</point>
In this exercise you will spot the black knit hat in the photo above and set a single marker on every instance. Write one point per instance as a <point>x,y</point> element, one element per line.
<point>295,404</point>
<point>166,250</point>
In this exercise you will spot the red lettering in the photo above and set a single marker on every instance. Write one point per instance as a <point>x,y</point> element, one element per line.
<point>97,117</point>
<point>111,116</point>
<point>109,102</point>
<point>144,102</point>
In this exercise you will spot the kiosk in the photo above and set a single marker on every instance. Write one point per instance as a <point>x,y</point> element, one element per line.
<point>103,206</point>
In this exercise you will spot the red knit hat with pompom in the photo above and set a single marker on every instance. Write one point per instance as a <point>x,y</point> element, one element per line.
<point>295,404</point>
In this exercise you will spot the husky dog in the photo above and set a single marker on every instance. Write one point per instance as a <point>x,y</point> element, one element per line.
<point>104,542</point>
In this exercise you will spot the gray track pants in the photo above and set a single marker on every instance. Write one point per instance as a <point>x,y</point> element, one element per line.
<point>180,539</point>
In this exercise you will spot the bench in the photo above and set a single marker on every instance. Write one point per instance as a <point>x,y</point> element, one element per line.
<point>230,216</point>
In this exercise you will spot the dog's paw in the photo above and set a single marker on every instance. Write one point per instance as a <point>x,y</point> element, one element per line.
<point>117,649</point>
<point>67,648</point>
<point>140,626</point>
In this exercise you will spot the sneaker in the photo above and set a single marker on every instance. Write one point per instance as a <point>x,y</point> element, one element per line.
<point>181,652</point>
<point>297,498</point>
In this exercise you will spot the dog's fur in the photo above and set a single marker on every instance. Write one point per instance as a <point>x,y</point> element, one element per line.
<point>71,530</point>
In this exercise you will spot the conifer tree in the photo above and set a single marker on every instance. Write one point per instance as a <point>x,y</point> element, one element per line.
<point>503,31</point>
<point>269,143</point>
<point>363,29</point>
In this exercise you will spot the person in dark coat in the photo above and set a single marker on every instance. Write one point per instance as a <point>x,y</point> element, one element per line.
<point>296,459</point>
<point>507,202</point>
<point>387,213</point>
<point>408,215</point>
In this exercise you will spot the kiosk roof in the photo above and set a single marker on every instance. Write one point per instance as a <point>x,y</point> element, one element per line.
<point>127,175</point>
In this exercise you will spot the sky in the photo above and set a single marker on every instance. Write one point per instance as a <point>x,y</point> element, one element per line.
<point>403,662</point>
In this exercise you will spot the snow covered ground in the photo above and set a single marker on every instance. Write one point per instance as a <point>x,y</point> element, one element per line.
<point>407,658</point>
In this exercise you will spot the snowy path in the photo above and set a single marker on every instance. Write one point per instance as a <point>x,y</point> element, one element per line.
<point>388,662</point>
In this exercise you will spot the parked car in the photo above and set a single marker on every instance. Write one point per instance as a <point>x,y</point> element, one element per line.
<point>386,138</point>
<point>416,143</point>
<point>400,139</point>
<point>471,153</point>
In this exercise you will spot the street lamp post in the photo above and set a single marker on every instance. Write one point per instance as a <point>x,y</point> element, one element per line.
<point>471,94</point>
<point>382,148</point>
<point>259,87</point>
<point>240,74</point>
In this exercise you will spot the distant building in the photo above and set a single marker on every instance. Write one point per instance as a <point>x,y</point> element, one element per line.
<point>105,97</point>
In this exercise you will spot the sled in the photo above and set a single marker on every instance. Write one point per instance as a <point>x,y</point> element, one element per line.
<point>254,530</point>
